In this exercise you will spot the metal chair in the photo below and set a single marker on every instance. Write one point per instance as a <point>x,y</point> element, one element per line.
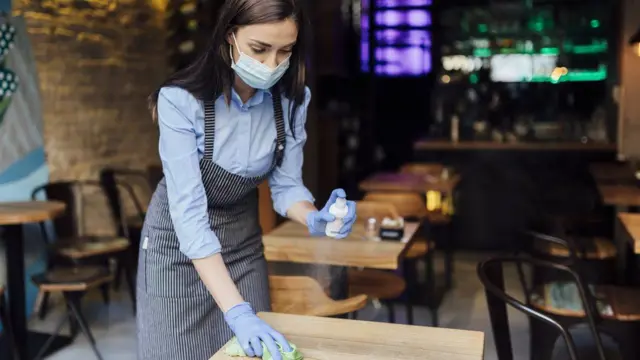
<point>73,283</point>
<point>114,183</point>
<point>6,325</point>
<point>491,272</point>
<point>73,246</point>
<point>622,321</point>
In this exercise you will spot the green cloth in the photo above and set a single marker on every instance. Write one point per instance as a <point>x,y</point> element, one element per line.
<point>234,349</point>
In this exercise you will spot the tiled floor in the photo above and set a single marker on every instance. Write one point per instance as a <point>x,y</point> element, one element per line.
<point>464,308</point>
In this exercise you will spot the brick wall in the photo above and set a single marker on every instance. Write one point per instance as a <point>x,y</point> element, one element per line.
<point>629,115</point>
<point>97,61</point>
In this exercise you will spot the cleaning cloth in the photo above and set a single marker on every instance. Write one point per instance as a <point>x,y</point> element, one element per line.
<point>234,349</point>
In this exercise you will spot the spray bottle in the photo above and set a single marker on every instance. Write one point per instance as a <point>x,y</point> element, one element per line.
<point>339,209</point>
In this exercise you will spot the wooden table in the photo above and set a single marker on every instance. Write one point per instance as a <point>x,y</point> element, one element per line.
<point>612,173</point>
<point>620,195</point>
<point>12,217</point>
<point>408,182</point>
<point>320,338</point>
<point>631,226</point>
<point>291,242</point>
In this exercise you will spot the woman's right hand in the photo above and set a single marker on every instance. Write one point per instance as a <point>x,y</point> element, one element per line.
<point>251,332</point>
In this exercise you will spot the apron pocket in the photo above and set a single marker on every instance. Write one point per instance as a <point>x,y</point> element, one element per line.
<point>168,272</point>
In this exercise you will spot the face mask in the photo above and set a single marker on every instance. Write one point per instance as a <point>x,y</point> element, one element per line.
<point>254,73</point>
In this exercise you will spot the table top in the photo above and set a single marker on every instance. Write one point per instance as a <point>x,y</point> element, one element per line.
<point>408,182</point>
<point>612,172</point>
<point>631,223</point>
<point>320,338</point>
<point>620,194</point>
<point>291,242</point>
<point>15,213</point>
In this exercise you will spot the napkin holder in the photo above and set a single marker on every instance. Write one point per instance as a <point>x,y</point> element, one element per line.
<point>392,229</point>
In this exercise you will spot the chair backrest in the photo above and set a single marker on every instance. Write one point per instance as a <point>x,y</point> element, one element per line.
<point>409,205</point>
<point>303,295</point>
<point>375,209</point>
<point>71,223</point>
<point>422,168</point>
<point>491,275</point>
<point>112,186</point>
<point>67,224</point>
<point>154,174</point>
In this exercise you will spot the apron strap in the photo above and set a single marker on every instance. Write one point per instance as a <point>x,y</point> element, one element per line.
<point>281,141</point>
<point>210,128</point>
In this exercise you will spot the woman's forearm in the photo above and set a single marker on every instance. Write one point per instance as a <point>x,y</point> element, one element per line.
<point>298,211</point>
<point>216,278</point>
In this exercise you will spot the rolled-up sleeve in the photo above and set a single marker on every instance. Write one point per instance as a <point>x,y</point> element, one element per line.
<point>286,183</point>
<point>178,149</point>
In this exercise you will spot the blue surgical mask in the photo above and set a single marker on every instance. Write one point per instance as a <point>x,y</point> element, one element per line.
<point>254,73</point>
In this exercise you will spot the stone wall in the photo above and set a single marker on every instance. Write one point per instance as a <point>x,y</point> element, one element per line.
<point>97,61</point>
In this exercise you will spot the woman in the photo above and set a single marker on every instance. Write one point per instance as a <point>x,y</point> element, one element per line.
<point>232,119</point>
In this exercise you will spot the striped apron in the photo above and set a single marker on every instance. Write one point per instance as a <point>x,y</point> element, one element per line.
<point>177,317</point>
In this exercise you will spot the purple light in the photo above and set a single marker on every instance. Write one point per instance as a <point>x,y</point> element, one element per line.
<point>398,3</point>
<point>406,37</point>
<point>406,61</point>
<point>364,56</point>
<point>419,18</point>
<point>390,18</point>
<point>416,18</point>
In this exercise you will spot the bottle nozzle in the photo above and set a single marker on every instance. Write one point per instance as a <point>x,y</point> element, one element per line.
<point>341,202</point>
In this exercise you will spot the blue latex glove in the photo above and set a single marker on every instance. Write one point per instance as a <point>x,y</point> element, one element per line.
<point>252,332</point>
<point>317,220</point>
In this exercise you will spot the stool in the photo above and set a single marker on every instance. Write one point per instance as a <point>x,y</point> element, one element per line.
<point>303,295</point>
<point>6,325</point>
<point>73,283</point>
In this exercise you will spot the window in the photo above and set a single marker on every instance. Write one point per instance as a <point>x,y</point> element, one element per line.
<point>402,43</point>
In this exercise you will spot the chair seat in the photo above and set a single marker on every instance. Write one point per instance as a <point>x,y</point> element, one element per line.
<point>72,279</point>
<point>614,302</point>
<point>89,246</point>
<point>419,248</point>
<point>377,284</point>
<point>588,248</point>
<point>303,295</point>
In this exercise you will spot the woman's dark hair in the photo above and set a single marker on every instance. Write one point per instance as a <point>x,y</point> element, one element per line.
<point>210,75</point>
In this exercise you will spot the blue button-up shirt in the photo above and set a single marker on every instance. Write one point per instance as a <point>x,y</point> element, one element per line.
<point>244,145</point>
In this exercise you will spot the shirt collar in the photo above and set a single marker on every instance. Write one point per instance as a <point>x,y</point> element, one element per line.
<point>255,100</point>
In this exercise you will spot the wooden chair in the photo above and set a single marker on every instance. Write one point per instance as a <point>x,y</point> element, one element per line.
<point>422,168</point>
<point>73,283</point>
<point>73,246</point>
<point>303,295</point>
<point>6,326</point>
